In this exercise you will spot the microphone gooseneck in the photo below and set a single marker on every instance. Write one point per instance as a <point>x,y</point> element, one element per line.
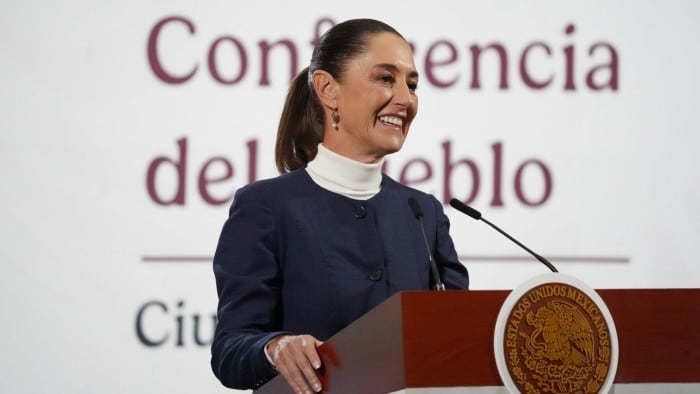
<point>418,213</point>
<point>476,215</point>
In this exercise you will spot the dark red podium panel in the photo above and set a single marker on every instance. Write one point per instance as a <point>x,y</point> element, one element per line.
<point>445,339</point>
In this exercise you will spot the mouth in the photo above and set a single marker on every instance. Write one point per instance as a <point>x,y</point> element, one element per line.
<point>390,120</point>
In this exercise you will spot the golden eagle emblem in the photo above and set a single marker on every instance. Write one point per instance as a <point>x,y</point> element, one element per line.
<point>552,343</point>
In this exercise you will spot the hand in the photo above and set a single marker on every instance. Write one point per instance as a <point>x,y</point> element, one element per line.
<point>296,358</point>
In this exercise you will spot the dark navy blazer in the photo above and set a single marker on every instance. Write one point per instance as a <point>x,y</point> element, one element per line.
<point>296,258</point>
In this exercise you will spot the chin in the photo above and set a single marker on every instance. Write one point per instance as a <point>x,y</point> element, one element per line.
<point>393,148</point>
<point>390,143</point>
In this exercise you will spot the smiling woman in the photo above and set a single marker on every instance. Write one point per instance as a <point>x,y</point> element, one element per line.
<point>304,254</point>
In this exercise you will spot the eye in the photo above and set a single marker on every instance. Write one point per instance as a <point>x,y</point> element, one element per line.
<point>387,79</point>
<point>412,86</point>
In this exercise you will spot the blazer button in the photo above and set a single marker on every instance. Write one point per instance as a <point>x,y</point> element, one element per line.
<point>376,275</point>
<point>360,212</point>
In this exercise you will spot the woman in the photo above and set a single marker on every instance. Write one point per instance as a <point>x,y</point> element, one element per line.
<point>305,254</point>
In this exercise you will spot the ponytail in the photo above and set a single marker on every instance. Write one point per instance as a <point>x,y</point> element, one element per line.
<point>300,128</point>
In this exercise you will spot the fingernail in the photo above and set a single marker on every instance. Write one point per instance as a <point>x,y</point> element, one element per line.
<point>317,388</point>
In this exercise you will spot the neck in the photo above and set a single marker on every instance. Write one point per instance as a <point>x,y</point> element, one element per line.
<point>345,176</point>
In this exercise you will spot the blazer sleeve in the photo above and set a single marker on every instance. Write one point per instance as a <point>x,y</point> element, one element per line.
<point>452,272</point>
<point>248,281</point>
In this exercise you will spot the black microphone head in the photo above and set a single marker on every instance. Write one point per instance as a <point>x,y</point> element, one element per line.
<point>415,207</point>
<point>466,209</point>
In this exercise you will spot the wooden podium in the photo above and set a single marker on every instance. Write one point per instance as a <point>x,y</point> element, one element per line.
<point>445,339</point>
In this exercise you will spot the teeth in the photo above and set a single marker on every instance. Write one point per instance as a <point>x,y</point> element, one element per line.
<point>392,120</point>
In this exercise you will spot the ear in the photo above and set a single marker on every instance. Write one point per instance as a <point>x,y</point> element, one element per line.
<point>326,88</point>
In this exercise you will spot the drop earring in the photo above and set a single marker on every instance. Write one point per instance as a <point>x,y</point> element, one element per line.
<point>334,118</point>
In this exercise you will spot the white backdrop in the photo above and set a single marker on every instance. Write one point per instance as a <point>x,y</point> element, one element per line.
<point>85,247</point>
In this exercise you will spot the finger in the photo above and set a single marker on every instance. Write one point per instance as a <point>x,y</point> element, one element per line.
<point>309,374</point>
<point>294,378</point>
<point>285,364</point>
<point>307,360</point>
<point>308,346</point>
<point>310,361</point>
<point>295,367</point>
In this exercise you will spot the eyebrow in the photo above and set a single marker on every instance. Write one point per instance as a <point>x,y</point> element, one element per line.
<point>412,74</point>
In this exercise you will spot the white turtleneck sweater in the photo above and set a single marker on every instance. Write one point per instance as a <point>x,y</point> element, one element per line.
<point>344,176</point>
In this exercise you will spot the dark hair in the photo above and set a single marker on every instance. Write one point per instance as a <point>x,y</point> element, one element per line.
<point>300,128</point>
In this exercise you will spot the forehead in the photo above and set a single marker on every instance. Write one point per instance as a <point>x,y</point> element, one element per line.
<point>388,48</point>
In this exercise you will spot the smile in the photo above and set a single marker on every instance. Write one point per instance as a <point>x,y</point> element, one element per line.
<point>391,120</point>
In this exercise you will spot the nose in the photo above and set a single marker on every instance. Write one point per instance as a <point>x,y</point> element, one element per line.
<point>402,95</point>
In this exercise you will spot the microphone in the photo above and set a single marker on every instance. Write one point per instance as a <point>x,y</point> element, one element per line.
<point>476,215</point>
<point>418,213</point>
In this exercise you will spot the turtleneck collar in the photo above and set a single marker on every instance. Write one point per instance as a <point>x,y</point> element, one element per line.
<point>345,176</point>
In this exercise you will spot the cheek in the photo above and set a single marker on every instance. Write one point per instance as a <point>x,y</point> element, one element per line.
<point>381,97</point>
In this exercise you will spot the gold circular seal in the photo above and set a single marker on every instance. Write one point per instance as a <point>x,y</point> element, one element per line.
<point>555,338</point>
